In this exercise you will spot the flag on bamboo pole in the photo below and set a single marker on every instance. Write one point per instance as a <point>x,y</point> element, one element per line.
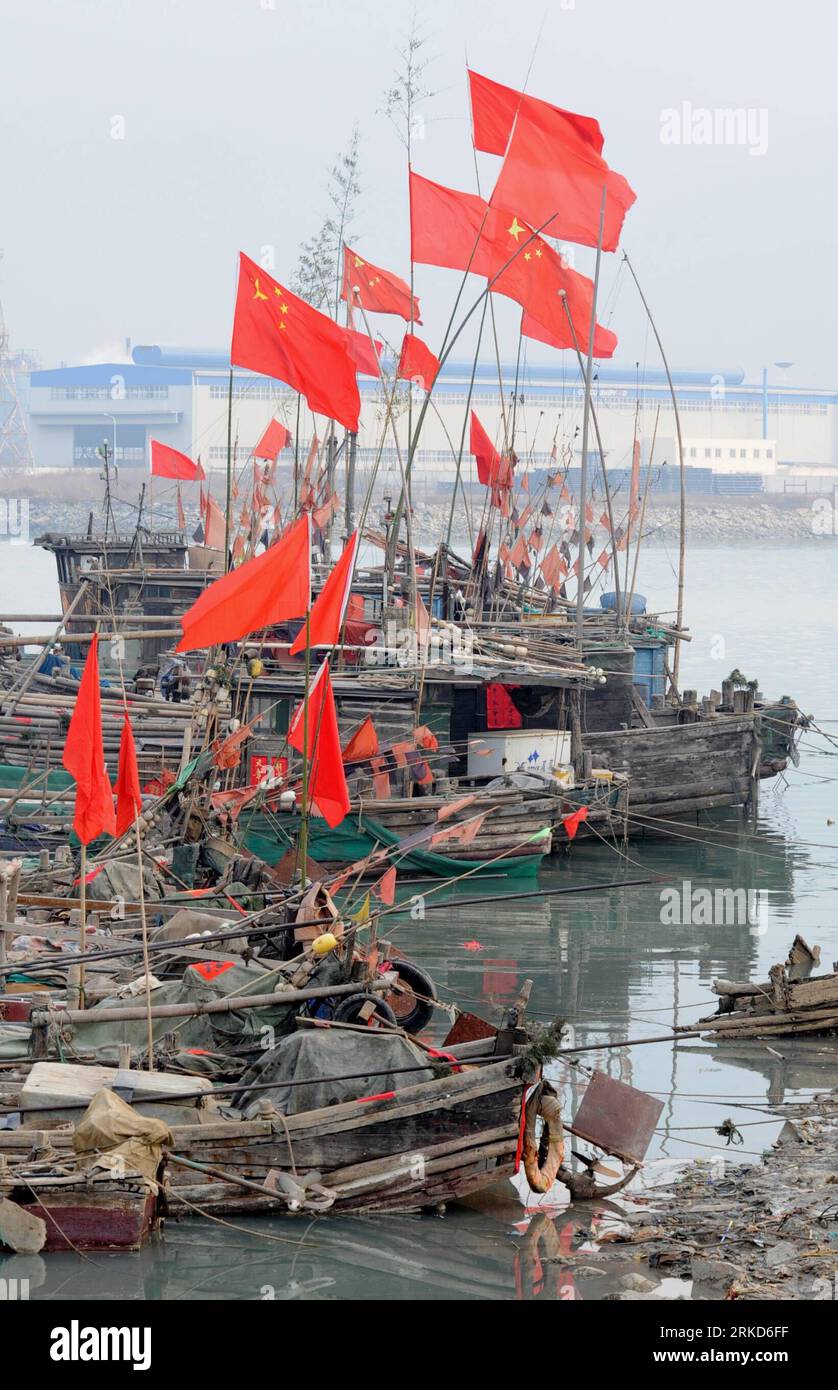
<point>572,822</point>
<point>385,888</point>
<point>215,527</point>
<point>495,107</point>
<point>170,463</point>
<point>417,363</point>
<point>327,781</point>
<point>363,354</point>
<point>330,606</point>
<point>634,493</point>
<point>278,334</point>
<point>462,232</point>
<point>273,441</point>
<point>181,515</point>
<point>84,757</point>
<point>377,290</point>
<point>555,178</point>
<point>363,744</point>
<point>270,588</point>
<point>129,800</point>
<point>493,470</point>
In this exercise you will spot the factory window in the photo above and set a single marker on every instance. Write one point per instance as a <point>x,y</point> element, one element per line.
<point>769,453</point>
<point>708,453</point>
<point>733,453</point>
<point>743,453</point>
<point>693,453</point>
<point>756,453</point>
<point>718,453</point>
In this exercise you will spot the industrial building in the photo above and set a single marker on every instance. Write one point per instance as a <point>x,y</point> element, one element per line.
<point>776,435</point>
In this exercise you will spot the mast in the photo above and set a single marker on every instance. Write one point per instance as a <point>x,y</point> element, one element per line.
<point>682,541</point>
<point>583,473</point>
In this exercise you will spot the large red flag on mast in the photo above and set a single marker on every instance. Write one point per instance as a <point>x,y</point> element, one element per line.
<point>329,608</point>
<point>555,178</point>
<point>494,108</point>
<point>129,800</point>
<point>279,335</point>
<point>84,757</point>
<point>327,779</point>
<point>271,588</point>
<point>461,231</point>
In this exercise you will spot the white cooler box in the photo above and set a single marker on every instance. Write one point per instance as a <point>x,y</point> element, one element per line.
<point>517,750</point>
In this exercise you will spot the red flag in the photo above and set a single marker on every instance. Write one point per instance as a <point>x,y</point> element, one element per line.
<point>329,608</point>
<point>417,363</point>
<point>279,335</point>
<point>273,441</point>
<point>605,342</point>
<point>363,354</point>
<point>215,527</point>
<point>494,108</point>
<point>363,743</point>
<point>634,494</point>
<point>462,232</point>
<point>492,469</point>
<point>168,463</point>
<point>181,515</point>
<point>385,888</point>
<point>271,588</point>
<point>571,823</point>
<point>84,757</point>
<point>375,289</point>
<point>129,801</point>
<point>327,781</point>
<point>554,178</point>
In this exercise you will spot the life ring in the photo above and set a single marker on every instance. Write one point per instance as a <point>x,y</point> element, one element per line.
<point>543,1156</point>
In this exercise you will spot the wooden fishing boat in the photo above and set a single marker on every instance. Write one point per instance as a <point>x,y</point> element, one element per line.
<point>784,1005</point>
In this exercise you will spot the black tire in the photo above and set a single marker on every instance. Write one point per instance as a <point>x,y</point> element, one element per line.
<point>348,1008</point>
<point>410,1005</point>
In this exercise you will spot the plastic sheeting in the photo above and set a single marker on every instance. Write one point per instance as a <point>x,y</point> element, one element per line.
<point>315,1057</point>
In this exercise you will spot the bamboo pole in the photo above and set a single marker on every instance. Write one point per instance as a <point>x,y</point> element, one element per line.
<point>50,643</point>
<point>146,961</point>
<point>679,617</point>
<point>583,473</point>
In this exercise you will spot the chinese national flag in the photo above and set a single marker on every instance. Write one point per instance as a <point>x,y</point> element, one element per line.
<point>554,178</point>
<point>363,743</point>
<point>84,757</point>
<point>129,801</point>
<point>273,441</point>
<point>279,335</point>
<point>327,780</point>
<point>375,289</point>
<point>271,588</point>
<point>329,607</point>
<point>494,108</point>
<point>461,231</point>
<point>417,363</point>
<point>169,463</point>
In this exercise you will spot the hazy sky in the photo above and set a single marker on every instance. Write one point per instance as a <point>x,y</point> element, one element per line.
<point>232,112</point>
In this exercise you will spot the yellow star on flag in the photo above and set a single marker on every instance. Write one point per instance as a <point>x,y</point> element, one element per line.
<point>258,294</point>
<point>516,229</point>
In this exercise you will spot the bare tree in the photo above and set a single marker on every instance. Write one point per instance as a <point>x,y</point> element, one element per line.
<point>317,278</point>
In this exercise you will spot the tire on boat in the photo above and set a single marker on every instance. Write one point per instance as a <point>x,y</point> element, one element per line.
<point>348,1009</point>
<point>411,1001</point>
<point>543,1155</point>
